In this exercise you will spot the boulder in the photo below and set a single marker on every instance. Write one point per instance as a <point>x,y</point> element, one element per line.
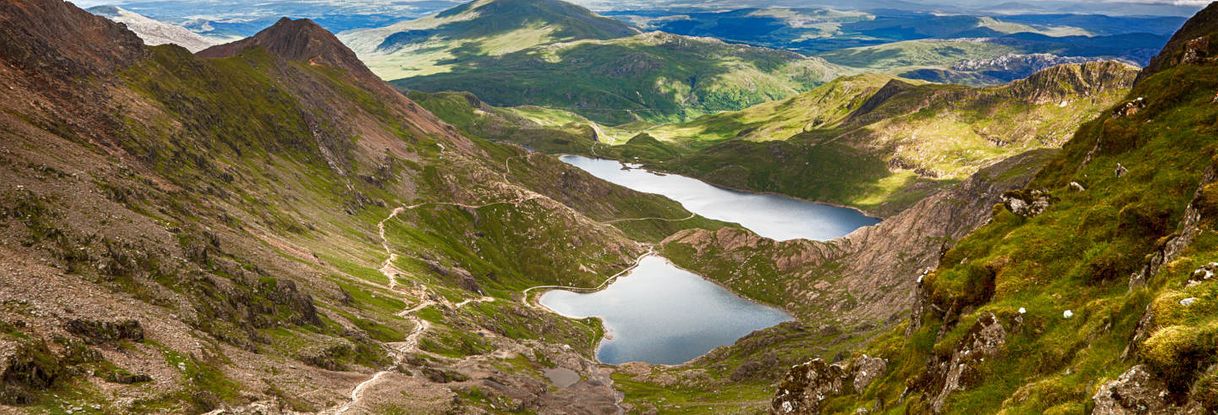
<point>1027,203</point>
<point>1137,391</point>
<point>949,373</point>
<point>1130,108</point>
<point>809,384</point>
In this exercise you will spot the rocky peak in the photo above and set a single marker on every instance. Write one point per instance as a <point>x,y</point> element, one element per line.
<point>56,38</point>
<point>297,40</point>
<point>1059,82</point>
<point>1194,43</point>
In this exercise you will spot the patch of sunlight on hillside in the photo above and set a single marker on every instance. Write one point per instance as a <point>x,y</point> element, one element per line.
<point>559,118</point>
<point>886,188</point>
<point>410,62</point>
<point>517,40</point>
<point>366,41</point>
<point>1009,27</point>
<point>946,145</point>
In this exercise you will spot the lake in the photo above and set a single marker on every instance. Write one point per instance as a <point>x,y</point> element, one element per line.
<point>772,216</point>
<point>659,313</point>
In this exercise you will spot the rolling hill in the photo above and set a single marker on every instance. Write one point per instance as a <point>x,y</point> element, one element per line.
<point>869,141</point>
<point>970,47</point>
<point>549,53</point>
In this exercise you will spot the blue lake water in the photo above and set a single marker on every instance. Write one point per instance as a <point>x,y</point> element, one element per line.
<point>659,313</point>
<point>772,216</point>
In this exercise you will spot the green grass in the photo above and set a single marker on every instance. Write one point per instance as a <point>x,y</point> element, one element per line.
<point>1078,256</point>
<point>646,77</point>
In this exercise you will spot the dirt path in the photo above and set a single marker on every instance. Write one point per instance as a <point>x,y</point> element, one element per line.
<point>410,344</point>
<point>691,216</point>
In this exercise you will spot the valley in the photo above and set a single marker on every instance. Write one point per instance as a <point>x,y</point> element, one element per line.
<point>537,207</point>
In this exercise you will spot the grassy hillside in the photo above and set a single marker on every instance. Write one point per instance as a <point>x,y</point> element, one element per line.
<point>271,227</point>
<point>1101,303</point>
<point>654,77</point>
<point>954,48</point>
<point>435,43</point>
<point>554,54</point>
<point>870,141</point>
<point>991,61</point>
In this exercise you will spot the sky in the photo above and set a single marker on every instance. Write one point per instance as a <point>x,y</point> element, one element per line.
<point>246,9</point>
<point>399,3</point>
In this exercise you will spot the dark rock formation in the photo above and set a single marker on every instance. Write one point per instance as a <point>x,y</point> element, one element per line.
<point>1187,230</point>
<point>104,332</point>
<point>1138,391</point>
<point>25,370</point>
<point>807,385</point>
<point>958,371</point>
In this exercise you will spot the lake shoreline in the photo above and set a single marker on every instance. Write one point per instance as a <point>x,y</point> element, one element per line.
<point>770,215</point>
<point>718,293</point>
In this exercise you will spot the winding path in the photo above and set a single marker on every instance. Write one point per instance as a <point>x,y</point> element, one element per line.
<point>410,344</point>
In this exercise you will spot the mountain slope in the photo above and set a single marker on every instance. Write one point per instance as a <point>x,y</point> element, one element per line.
<point>271,229</point>
<point>491,27</point>
<point>870,141</point>
<point>611,76</point>
<point>1090,291</point>
<point>152,31</point>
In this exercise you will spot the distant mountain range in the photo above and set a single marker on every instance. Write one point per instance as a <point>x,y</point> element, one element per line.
<point>552,53</point>
<point>695,61</point>
<point>155,32</point>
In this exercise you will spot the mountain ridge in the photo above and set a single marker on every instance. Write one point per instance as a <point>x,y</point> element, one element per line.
<point>178,229</point>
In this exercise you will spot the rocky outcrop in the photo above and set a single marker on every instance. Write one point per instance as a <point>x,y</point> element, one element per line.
<point>1192,44</point>
<point>1138,392</point>
<point>57,39</point>
<point>1130,108</point>
<point>103,332</point>
<point>1027,203</point>
<point>878,280</point>
<point>809,384</point>
<point>1054,84</point>
<point>1186,231</point>
<point>958,370</point>
<point>24,370</point>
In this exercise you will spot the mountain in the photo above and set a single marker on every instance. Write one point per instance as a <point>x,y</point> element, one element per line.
<point>606,71</point>
<point>266,227</point>
<point>869,141</point>
<point>971,47</point>
<point>154,32</point>
<point>486,27</point>
<point>882,143</point>
<point>1091,289</point>
<point>299,40</point>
